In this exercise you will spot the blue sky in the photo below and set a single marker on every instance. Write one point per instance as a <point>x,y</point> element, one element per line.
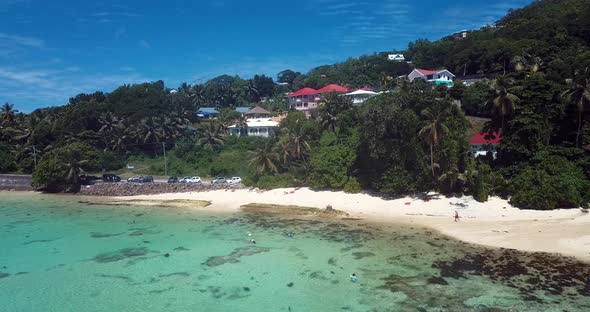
<point>53,50</point>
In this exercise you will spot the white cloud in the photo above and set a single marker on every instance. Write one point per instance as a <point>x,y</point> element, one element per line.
<point>22,41</point>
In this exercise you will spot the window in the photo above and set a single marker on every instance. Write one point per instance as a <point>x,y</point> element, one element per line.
<point>263,130</point>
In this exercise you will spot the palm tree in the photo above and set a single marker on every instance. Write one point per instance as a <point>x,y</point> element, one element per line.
<point>434,130</point>
<point>333,105</point>
<point>73,169</point>
<point>211,136</point>
<point>579,94</point>
<point>264,159</point>
<point>8,113</point>
<point>297,142</point>
<point>503,102</point>
<point>242,124</point>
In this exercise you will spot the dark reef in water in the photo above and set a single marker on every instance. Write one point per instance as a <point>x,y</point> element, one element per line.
<point>527,272</point>
<point>126,253</point>
<point>235,256</point>
<point>4,275</point>
<point>103,235</point>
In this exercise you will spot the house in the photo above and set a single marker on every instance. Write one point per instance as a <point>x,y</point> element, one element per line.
<point>359,97</point>
<point>436,77</point>
<point>308,99</point>
<point>260,127</point>
<point>461,34</point>
<point>257,112</point>
<point>480,145</point>
<point>208,112</point>
<point>396,57</point>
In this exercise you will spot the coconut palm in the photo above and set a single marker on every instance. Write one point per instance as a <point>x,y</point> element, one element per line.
<point>579,94</point>
<point>73,168</point>
<point>264,159</point>
<point>503,103</point>
<point>8,113</point>
<point>297,142</point>
<point>434,130</point>
<point>211,136</point>
<point>242,124</point>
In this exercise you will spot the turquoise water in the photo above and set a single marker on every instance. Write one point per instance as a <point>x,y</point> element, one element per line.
<point>59,255</point>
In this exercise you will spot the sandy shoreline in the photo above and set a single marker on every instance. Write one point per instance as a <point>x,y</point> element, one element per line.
<point>494,223</point>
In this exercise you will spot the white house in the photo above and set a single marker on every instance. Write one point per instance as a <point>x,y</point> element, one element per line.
<point>359,97</point>
<point>436,77</point>
<point>396,57</point>
<point>261,127</point>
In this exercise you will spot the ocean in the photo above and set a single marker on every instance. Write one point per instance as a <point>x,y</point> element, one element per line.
<point>58,254</point>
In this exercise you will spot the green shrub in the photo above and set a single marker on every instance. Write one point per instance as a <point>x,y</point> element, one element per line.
<point>352,186</point>
<point>482,188</point>
<point>550,182</point>
<point>268,182</point>
<point>110,161</point>
<point>396,180</point>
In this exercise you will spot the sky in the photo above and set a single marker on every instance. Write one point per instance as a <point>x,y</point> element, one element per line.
<point>53,50</point>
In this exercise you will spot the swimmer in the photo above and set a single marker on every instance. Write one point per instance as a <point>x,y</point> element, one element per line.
<point>252,241</point>
<point>290,234</point>
<point>353,277</point>
<point>249,234</point>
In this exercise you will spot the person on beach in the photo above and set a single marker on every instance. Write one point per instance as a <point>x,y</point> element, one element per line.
<point>457,217</point>
<point>353,277</point>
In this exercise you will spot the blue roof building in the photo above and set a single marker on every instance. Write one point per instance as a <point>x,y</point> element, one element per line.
<point>242,109</point>
<point>208,111</point>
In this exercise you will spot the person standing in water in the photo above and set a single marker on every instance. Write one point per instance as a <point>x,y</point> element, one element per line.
<point>353,277</point>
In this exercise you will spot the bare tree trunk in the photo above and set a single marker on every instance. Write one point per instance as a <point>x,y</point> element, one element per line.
<point>432,159</point>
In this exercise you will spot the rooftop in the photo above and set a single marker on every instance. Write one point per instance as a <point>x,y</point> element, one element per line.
<point>304,91</point>
<point>258,111</point>
<point>480,139</point>
<point>333,88</point>
<point>259,122</point>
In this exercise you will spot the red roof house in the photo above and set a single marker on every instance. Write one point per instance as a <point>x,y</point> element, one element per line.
<point>304,91</point>
<point>333,88</point>
<point>480,139</point>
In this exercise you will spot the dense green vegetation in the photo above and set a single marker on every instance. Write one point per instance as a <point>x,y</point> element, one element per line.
<point>413,138</point>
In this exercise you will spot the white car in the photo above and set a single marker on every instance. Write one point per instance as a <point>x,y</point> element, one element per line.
<point>234,180</point>
<point>194,180</point>
<point>184,179</point>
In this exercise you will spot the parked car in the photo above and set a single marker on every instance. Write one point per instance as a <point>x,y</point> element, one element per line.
<point>184,179</point>
<point>194,180</point>
<point>172,180</point>
<point>146,179</point>
<point>108,177</point>
<point>135,179</point>
<point>219,180</point>
<point>235,180</point>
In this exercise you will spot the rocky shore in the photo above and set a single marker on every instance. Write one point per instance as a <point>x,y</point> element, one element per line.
<point>132,189</point>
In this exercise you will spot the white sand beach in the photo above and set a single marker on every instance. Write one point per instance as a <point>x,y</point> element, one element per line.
<point>494,223</point>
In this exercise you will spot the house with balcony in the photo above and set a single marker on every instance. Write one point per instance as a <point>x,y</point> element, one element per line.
<point>436,77</point>
<point>308,99</point>
<point>260,127</point>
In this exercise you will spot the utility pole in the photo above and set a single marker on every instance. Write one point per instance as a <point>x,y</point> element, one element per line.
<point>165,161</point>
<point>34,156</point>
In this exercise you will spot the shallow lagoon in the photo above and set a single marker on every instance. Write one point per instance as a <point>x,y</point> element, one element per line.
<point>59,255</point>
